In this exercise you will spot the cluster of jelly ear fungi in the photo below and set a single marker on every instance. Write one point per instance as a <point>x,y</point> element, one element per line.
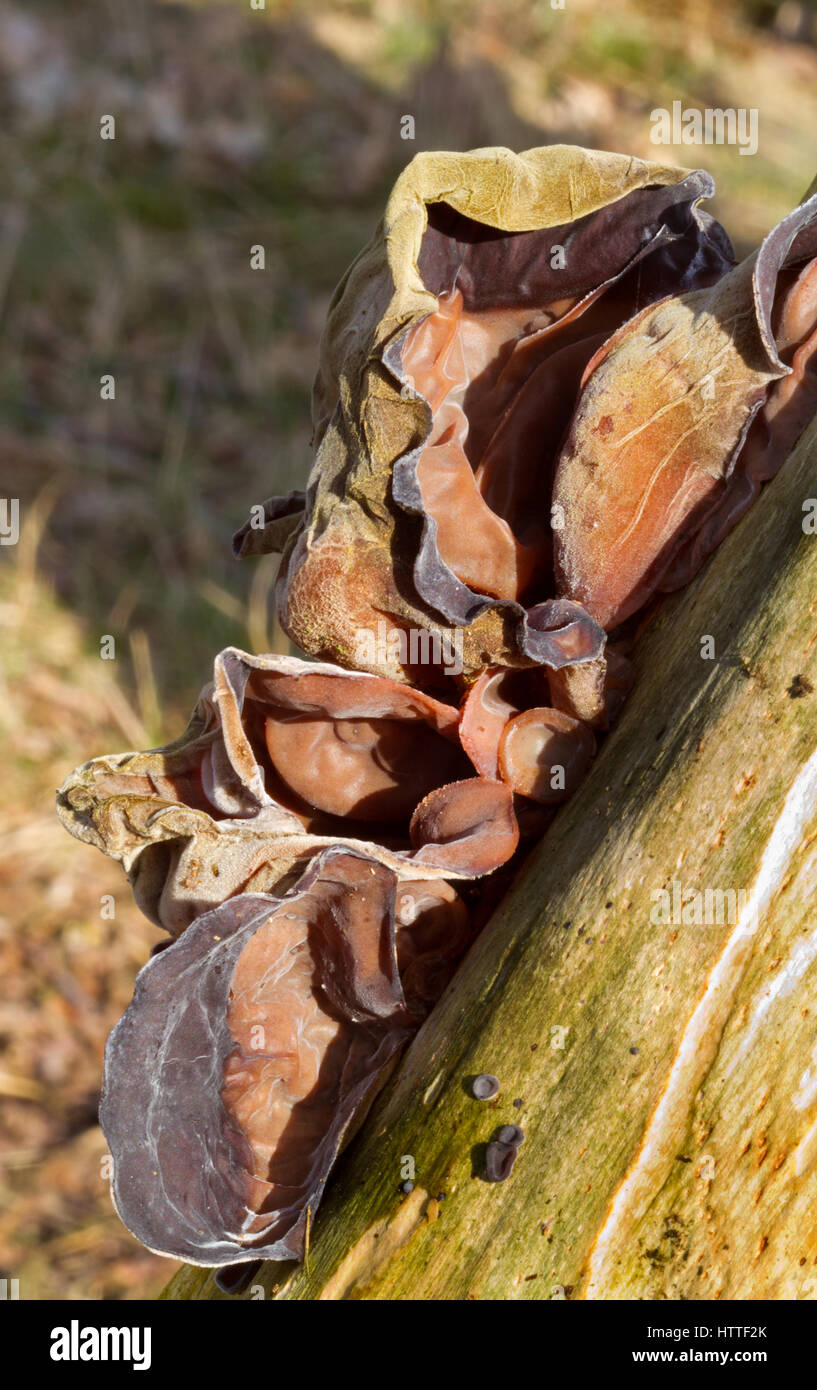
<point>302,839</point>
<point>549,482</point>
<point>481,388</point>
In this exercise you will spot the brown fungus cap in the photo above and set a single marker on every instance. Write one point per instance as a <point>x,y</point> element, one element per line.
<point>475,817</point>
<point>595,691</point>
<point>251,1044</point>
<point>449,368</point>
<point>682,415</point>
<point>544,754</point>
<point>281,759</point>
<point>493,699</point>
<point>366,749</point>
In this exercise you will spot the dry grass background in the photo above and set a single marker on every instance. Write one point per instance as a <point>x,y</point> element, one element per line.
<point>234,127</point>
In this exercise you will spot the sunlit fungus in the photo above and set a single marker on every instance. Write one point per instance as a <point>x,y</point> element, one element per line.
<point>253,1042</point>
<point>283,758</point>
<point>450,368</point>
<point>545,394</point>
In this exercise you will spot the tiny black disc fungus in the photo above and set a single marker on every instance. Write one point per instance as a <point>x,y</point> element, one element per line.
<point>485,1086</point>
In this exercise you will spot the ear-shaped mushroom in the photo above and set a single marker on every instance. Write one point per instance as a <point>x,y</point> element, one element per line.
<point>540,751</point>
<point>366,749</point>
<point>544,754</point>
<point>281,759</point>
<point>682,415</point>
<point>492,700</point>
<point>434,931</point>
<point>252,1043</point>
<point>477,814</point>
<point>449,369</point>
<point>789,405</point>
<point>502,387</point>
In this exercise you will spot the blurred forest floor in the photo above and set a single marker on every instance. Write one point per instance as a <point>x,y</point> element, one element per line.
<point>234,128</point>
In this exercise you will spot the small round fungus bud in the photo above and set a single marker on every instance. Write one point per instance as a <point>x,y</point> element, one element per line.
<point>511,1134</point>
<point>485,1086</point>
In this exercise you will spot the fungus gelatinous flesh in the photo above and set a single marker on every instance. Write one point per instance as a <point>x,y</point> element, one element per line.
<point>251,1043</point>
<point>485,1086</point>
<point>476,815</point>
<point>545,395</point>
<point>281,759</point>
<point>493,699</point>
<point>682,415</point>
<point>450,367</point>
<point>500,363</point>
<point>544,754</point>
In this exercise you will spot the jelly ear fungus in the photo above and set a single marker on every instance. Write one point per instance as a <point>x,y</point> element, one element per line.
<point>252,1043</point>
<point>449,369</point>
<point>282,759</point>
<point>683,415</point>
<point>499,365</point>
<point>544,397</point>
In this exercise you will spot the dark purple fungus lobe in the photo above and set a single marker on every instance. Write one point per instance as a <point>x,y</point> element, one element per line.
<point>511,1134</point>
<point>499,1160</point>
<point>485,1086</point>
<point>235,1279</point>
<point>251,1045</point>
